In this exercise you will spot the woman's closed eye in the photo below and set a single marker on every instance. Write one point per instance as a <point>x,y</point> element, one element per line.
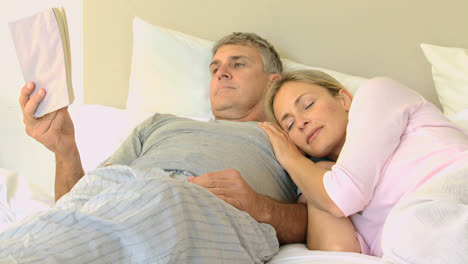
<point>290,126</point>
<point>309,105</point>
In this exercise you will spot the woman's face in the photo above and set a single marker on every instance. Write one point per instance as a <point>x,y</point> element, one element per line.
<point>315,119</point>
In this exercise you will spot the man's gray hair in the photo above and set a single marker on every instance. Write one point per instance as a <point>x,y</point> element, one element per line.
<point>271,60</point>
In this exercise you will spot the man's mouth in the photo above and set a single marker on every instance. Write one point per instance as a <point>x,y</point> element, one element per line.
<point>224,88</point>
<point>313,134</point>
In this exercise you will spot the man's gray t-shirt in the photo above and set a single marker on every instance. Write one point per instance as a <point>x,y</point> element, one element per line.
<point>173,143</point>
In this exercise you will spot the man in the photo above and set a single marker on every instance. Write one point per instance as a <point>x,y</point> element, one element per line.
<point>242,68</point>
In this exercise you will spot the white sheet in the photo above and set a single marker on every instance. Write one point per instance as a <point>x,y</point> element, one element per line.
<point>434,221</point>
<point>19,199</point>
<point>299,254</point>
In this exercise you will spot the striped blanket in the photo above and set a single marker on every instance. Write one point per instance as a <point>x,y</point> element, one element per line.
<point>117,214</point>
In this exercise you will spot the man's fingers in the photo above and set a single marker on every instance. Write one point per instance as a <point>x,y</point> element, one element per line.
<point>204,183</point>
<point>191,178</point>
<point>222,191</point>
<point>230,201</point>
<point>209,182</point>
<point>218,179</point>
<point>221,175</point>
<point>31,106</point>
<point>26,91</point>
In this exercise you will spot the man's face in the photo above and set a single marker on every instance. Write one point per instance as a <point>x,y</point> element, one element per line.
<point>238,83</point>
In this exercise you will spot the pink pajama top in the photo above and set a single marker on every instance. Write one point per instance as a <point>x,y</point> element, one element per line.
<point>395,142</point>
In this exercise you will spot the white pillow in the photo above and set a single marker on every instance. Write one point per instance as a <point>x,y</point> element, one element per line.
<point>170,72</point>
<point>450,75</point>
<point>460,119</point>
<point>350,82</point>
<point>100,130</point>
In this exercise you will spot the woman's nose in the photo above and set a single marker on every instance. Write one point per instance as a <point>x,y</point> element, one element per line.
<point>302,123</point>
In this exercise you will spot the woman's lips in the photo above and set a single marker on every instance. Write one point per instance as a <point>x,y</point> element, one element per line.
<point>313,134</point>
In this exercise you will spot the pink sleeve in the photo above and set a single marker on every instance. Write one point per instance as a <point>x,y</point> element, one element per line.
<point>364,248</point>
<point>378,117</point>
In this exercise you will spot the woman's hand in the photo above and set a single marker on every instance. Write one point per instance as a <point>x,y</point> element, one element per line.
<point>284,149</point>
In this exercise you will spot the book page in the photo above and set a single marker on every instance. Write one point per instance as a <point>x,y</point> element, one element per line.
<point>63,27</point>
<point>40,52</point>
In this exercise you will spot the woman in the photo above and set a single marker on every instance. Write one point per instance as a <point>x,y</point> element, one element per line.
<point>387,142</point>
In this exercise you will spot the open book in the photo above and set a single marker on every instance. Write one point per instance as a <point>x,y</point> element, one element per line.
<point>43,50</point>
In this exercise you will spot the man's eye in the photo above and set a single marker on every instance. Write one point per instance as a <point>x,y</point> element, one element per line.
<point>214,71</point>
<point>238,64</point>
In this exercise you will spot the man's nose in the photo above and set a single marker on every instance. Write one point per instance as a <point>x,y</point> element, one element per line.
<point>223,73</point>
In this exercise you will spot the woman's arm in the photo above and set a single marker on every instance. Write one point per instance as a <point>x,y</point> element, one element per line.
<point>307,175</point>
<point>378,118</point>
<point>330,233</point>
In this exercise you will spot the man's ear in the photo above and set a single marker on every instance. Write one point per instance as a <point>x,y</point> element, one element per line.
<point>274,77</point>
<point>346,99</point>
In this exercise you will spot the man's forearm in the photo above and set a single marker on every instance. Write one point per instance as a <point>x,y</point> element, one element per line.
<point>68,172</point>
<point>289,220</point>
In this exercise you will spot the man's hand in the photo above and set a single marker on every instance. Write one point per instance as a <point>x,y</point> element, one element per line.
<point>54,130</point>
<point>289,220</point>
<point>233,189</point>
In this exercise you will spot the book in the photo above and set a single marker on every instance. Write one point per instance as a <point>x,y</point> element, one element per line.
<point>43,51</point>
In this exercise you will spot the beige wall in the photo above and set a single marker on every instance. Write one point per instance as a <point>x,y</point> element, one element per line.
<point>363,37</point>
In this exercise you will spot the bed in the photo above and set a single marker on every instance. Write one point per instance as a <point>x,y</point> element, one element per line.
<point>134,50</point>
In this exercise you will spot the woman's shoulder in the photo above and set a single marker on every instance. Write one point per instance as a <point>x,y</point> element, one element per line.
<point>386,91</point>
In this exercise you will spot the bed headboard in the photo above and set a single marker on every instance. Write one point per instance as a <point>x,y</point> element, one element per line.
<point>365,38</point>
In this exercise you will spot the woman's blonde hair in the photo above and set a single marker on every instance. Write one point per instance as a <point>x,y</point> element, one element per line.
<point>307,76</point>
